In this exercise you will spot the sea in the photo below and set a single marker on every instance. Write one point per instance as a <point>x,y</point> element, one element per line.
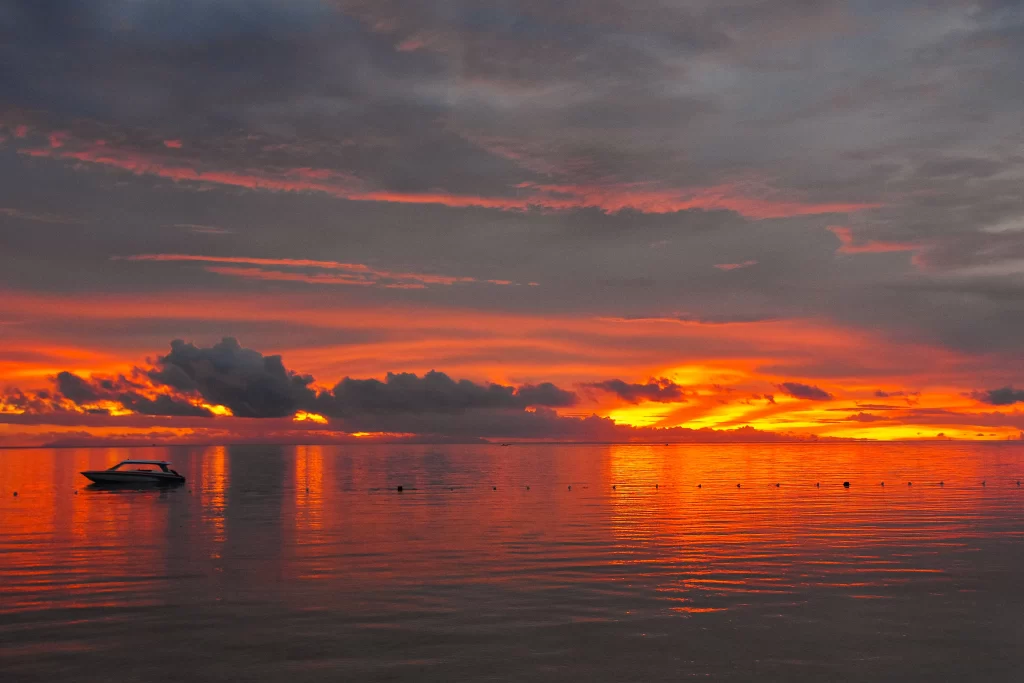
<point>529,562</point>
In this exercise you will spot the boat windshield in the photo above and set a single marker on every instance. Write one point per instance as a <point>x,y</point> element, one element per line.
<point>139,466</point>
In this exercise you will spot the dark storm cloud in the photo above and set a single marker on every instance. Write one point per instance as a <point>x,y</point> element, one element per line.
<point>253,385</point>
<point>1000,397</point>
<point>244,380</point>
<point>545,394</point>
<point>805,391</point>
<point>121,391</point>
<point>435,392</point>
<point>660,390</point>
<point>74,388</point>
<point>163,405</point>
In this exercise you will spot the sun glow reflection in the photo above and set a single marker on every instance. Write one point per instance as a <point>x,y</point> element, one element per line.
<point>643,414</point>
<point>303,416</point>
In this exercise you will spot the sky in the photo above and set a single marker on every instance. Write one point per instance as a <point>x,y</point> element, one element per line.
<point>318,221</point>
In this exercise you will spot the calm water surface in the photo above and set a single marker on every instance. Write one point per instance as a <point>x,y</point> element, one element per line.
<point>304,564</point>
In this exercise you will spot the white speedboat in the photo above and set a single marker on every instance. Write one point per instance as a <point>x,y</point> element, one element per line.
<point>136,472</point>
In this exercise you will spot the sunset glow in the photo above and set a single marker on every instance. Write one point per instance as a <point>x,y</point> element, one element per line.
<point>458,227</point>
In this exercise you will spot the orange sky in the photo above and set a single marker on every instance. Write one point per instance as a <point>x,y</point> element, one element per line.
<point>729,375</point>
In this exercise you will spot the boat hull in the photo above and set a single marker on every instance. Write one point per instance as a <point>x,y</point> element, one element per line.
<point>114,478</point>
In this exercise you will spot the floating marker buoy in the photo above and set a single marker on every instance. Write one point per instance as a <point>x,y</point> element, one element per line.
<point>737,485</point>
<point>15,494</point>
<point>76,492</point>
<point>817,484</point>
<point>778,485</point>
<point>655,486</point>
<point>613,487</point>
<point>846,484</point>
<point>570,487</point>
<point>699,486</point>
<point>982,483</point>
<point>527,488</point>
<point>882,484</point>
<point>910,483</point>
<point>399,489</point>
<point>494,488</point>
<point>942,483</point>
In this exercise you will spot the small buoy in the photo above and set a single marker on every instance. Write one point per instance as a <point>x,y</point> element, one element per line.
<point>399,489</point>
<point>737,485</point>
<point>910,483</point>
<point>76,492</point>
<point>655,486</point>
<point>982,483</point>
<point>817,484</point>
<point>613,487</point>
<point>570,487</point>
<point>494,488</point>
<point>15,494</point>
<point>846,484</point>
<point>1018,482</point>
<point>527,488</point>
<point>307,489</point>
<point>882,484</point>
<point>778,485</point>
<point>942,483</point>
<point>699,486</point>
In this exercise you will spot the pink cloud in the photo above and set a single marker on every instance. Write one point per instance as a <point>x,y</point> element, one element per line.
<point>752,202</point>
<point>411,44</point>
<point>745,198</point>
<point>735,266</point>
<point>172,144</point>
<point>358,274</point>
<point>847,243</point>
<point>282,276</point>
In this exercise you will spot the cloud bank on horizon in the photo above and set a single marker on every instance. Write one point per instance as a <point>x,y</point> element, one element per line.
<point>701,215</point>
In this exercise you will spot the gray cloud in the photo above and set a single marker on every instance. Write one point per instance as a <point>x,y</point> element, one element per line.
<point>805,391</point>
<point>120,390</point>
<point>435,392</point>
<point>1000,397</point>
<point>253,385</point>
<point>660,390</point>
<point>246,381</point>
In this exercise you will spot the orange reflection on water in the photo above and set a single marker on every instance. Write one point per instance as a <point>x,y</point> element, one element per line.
<point>776,519</point>
<point>212,487</point>
<point>329,521</point>
<point>309,489</point>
